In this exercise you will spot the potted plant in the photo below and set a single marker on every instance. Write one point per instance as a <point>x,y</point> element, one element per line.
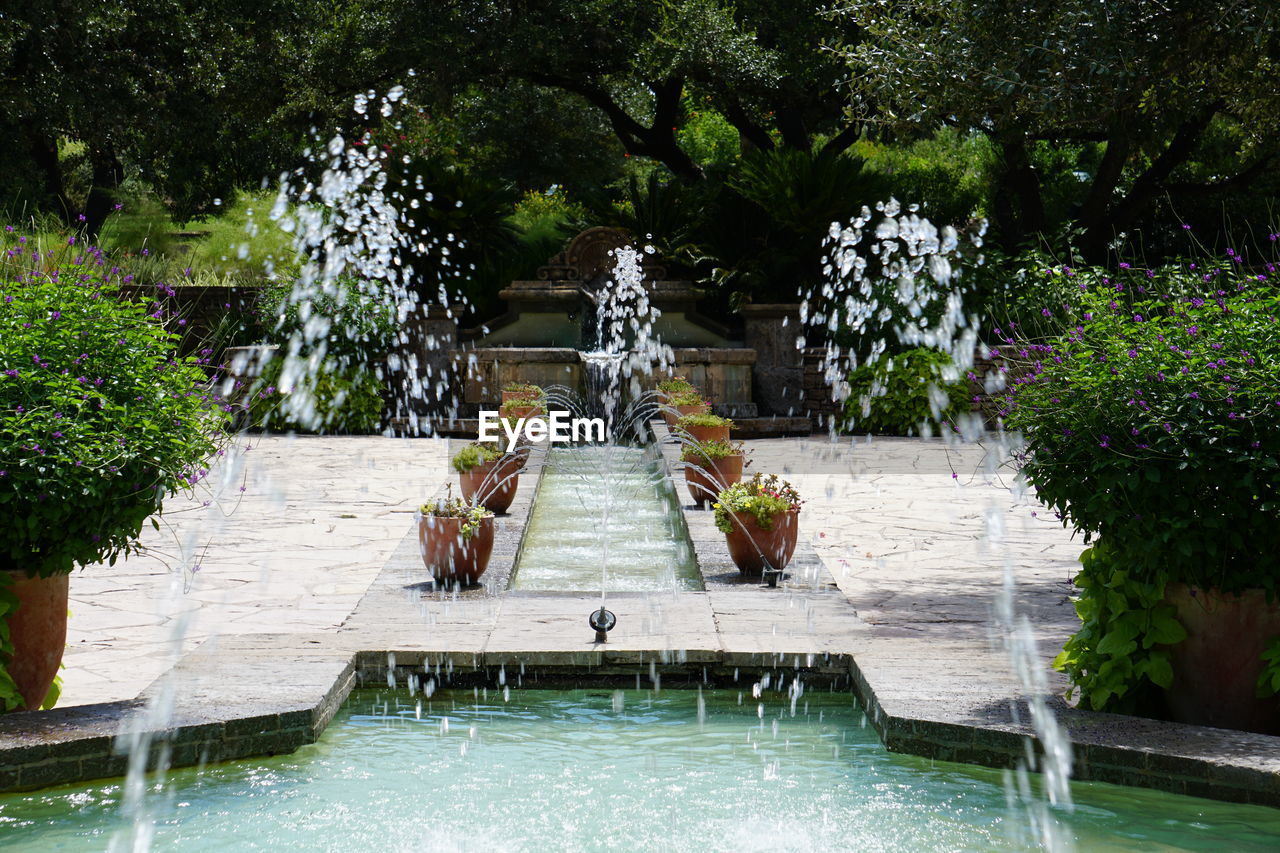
<point>1152,427</point>
<point>522,391</point>
<point>682,404</point>
<point>674,385</point>
<point>488,476</point>
<point>525,405</point>
<point>456,540</point>
<point>704,427</point>
<point>100,419</point>
<point>760,521</point>
<point>709,467</point>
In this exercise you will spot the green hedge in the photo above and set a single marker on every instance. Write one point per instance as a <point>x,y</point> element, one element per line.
<point>896,395</point>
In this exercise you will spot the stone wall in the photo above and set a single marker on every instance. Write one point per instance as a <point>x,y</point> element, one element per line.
<point>722,374</point>
<point>817,393</point>
<point>421,364</point>
<point>204,316</point>
<point>778,376</point>
<point>484,371</point>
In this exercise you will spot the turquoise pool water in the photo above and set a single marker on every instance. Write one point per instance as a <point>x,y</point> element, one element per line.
<point>613,770</point>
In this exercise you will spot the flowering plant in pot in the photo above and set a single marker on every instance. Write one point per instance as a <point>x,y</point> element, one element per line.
<point>704,427</point>
<point>1152,427</point>
<point>488,476</point>
<point>683,404</point>
<point>760,521</point>
<point>456,540</point>
<point>100,420</point>
<point>711,466</point>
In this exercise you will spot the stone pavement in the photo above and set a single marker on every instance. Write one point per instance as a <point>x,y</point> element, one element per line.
<point>319,517</point>
<point>297,575</point>
<point>294,552</point>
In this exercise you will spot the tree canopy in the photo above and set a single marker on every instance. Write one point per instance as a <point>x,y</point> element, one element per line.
<point>1149,83</point>
<point>1095,119</point>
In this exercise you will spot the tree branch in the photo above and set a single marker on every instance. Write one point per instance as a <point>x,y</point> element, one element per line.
<point>1148,185</point>
<point>623,124</point>
<point>1235,182</point>
<point>846,137</point>
<point>1110,170</point>
<point>750,131</point>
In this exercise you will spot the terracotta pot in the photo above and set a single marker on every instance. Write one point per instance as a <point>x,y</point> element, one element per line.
<point>750,547</point>
<point>492,484</point>
<point>507,396</point>
<point>450,558</point>
<point>510,411</point>
<point>716,475</point>
<point>704,433</point>
<point>674,413</point>
<point>38,629</point>
<point>1215,670</point>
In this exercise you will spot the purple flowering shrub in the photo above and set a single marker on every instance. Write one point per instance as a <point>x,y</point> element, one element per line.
<point>1152,426</point>
<point>1153,421</point>
<point>100,419</point>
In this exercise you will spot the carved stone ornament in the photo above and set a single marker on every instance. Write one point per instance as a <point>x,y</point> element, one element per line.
<point>587,257</point>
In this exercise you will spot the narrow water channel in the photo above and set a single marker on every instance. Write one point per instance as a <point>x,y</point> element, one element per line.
<point>605,514</point>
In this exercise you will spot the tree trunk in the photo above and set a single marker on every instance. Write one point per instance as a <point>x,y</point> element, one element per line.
<point>1108,220</point>
<point>107,176</point>
<point>791,125</point>
<point>1019,206</point>
<point>44,153</point>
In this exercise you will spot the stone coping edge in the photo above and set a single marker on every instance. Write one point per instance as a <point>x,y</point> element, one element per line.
<point>1223,771</point>
<point>84,743</point>
<point>89,742</point>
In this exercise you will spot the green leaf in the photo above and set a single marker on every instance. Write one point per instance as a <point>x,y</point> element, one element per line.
<point>1119,641</point>
<point>55,692</point>
<point>1159,670</point>
<point>1165,629</point>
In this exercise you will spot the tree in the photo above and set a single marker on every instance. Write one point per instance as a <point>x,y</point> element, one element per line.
<point>179,91</point>
<point>634,61</point>
<point>1142,80</point>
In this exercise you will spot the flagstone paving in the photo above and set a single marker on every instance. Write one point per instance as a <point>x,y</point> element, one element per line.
<point>911,548</point>
<point>256,606</point>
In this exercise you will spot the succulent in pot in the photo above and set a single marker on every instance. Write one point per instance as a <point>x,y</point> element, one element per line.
<point>523,391</point>
<point>487,475</point>
<point>760,521</point>
<point>704,427</point>
<point>674,385</point>
<point>101,419</point>
<point>710,467</point>
<point>682,405</point>
<point>456,540</point>
<point>524,405</point>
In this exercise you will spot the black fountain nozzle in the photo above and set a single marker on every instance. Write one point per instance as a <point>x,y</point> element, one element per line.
<point>771,576</point>
<point>602,622</point>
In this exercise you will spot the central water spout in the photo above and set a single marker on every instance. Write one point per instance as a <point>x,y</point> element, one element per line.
<point>602,622</point>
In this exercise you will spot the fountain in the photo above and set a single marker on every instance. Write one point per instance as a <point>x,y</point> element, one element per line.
<point>756,727</point>
<point>551,334</point>
<point>756,764</point>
